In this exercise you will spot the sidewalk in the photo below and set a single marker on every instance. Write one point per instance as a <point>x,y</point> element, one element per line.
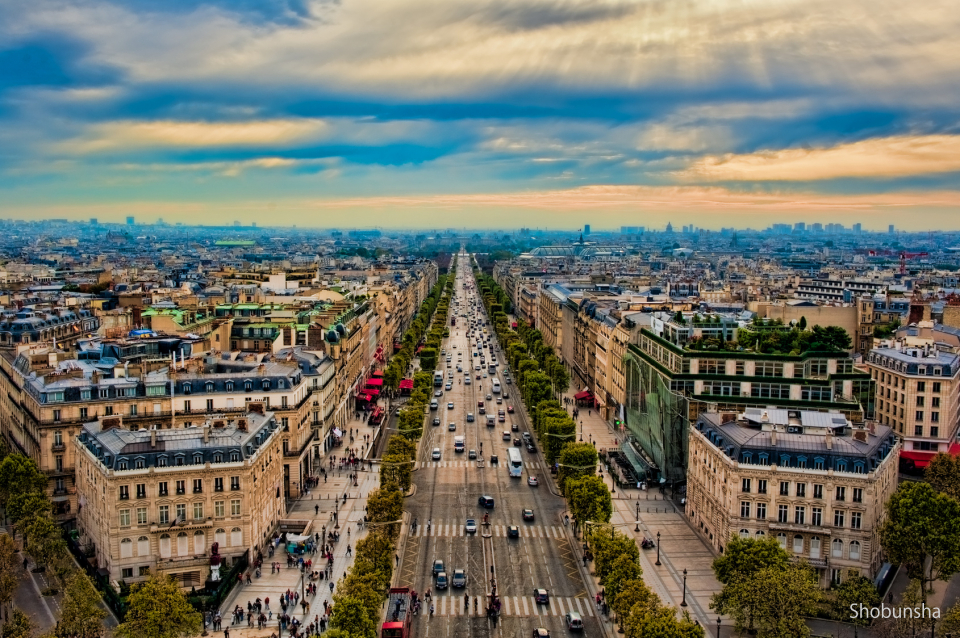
<point>318,505</point>
<point>680,548</point>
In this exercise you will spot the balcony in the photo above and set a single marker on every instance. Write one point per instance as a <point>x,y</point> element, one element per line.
<point>58,447</point>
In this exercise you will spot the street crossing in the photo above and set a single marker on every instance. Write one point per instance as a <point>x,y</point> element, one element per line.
<point>526,530</point>
<point>533,465</point>
<point>454,605</point>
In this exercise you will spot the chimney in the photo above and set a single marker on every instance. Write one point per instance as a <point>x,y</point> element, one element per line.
<point>153,438</point>
<point>773,436</point>
<point>829,439</point>
<point>206,434</point>
<point>860,435</point>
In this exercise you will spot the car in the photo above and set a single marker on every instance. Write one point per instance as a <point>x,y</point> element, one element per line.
<point>478,377</point>
<point>397,412</point>
<point>499,400</point>
<point>514,427</point>
<point>532,481</point>
<point>501,416</point>
<point>484,375</point>
<point>451,427</point>
<point>485,502</point>
<point>541,597</point>
<point>506,435</point>
<point>466,380</point>
<point>442,580</point>
<point>438,393</point>
<point>436,420</point>
<point>450,405</point>
<point>434,405</point>
<point>448,387</point>
<point>528,515</point>
<point>479,404</point>
<point>489,397</point>
<point>459,368</point>
<point>436,454</point>
<point>437,566</point>
<point>482,410</point>
<point>574,621</point>
<point>472,454</point>
<point>513,532</point>
<point>469,417</point>
<point>506,395</point>
<point>531,448</point>
<point>540,632</point>
<point>449,366</point>
<point>510,409</point>
<point>460,578</point>
<point>526,436</point>
<point>516,442</point>
<point>471,526</point>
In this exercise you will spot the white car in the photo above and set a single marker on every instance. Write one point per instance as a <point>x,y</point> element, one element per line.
<point>471,526</point>
<point>436,454</point>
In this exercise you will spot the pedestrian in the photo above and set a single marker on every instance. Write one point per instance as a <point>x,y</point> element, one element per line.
<point>316,510</point>
<point>226,633</point>
<point>331,586</point>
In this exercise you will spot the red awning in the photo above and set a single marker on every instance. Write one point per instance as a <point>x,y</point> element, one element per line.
<point>580,396</point>
<point>372,391</point>
<point>378,373</point>
<point>378,411</point>
<point>363,397</point>
<point>406,384</point>
<point>375,382</point>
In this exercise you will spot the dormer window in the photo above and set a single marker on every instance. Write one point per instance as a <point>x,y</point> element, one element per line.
<point>229,386</point>
<point>186,388</point>
<point>266,384</point>
<point>209,387</point>
<point>198,459</point>
<point>248,386</point>
<point>122,465</point>
<point>218,458</point>
<point>234,457</point>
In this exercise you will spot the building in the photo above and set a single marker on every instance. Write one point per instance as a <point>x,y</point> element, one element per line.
<point>836,290</point>
<point>153,501</point>
<point>918,390</point>
<point>130,221</point>
<point>811,479</point>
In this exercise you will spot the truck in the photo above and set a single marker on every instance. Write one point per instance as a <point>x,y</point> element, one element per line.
<point>458,443</point>
<point>397,624</point>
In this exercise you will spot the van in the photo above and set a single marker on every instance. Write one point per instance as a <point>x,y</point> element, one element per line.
<point>434,405</point>
<point>458,444</point>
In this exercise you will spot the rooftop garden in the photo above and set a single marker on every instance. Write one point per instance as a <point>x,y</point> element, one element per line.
<point>774,337</point>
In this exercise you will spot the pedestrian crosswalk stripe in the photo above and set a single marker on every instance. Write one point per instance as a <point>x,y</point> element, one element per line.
<point>579,607</point>
<point>506,607</point>
<point>454,605</point>
<point>526,610</point>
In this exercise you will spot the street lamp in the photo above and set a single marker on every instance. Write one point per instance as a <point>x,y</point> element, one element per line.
<point>718,626</point>
<point>683,603</point>
<point>637,528</point>
<point>336,514</point>
<point>581,431</point>
<point>658,550</point>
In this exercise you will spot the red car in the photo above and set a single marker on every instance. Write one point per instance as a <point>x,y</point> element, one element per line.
<point>510,409</point>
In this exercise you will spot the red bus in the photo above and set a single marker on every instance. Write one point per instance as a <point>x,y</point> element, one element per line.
<point>398,614</point>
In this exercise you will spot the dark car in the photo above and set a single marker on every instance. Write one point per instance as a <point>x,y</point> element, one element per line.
<point>494,459</point>
<point>541,597</point>
<point>528,515</point>
<point>531,448</point>
<point>485,502</point>
<point>515,427</point>
<point>436,420</point>
<point>513,532</point>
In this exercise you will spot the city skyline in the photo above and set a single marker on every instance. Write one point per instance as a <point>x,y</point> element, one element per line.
<point>394,114</point>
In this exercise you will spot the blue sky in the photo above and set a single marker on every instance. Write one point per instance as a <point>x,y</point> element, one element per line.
<point>482,113</point>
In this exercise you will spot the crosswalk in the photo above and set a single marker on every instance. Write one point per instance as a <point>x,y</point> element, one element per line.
<point>457,529</point>
<point>454,605</point>
<point>533,465</point>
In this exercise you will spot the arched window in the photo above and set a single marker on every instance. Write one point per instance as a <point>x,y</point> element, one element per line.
<point>798,544</point>
<point>199,542</point>
<point>760,533</point>
<point>782,539</point>
<point>126,548</point>
<point>236,537</point>
<point>220,536</point>
<point>837,550</point>
<point>122,465</point>
<point>815,547</point>
<point>744,533</point>
<point>854,550</point>
<point>183,544</point>
<point>266,384</point>
<point>143,546</point>
<point>165,546</point>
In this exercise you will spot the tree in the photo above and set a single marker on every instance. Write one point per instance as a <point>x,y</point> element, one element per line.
<point>158,609</point>
<point>9,578</point>
<point>350,616</point>
<point>589,500</point>
<point>26,504</point>
<point>385,505</point>
<point>743,557</point>
<point>396,469</point>
<point>18,626</point>
<point>19,475</point>
<point>803,323</point>
<point>950,623</point>
<point>576,460</point>
<point>660,623</point>
<point>773,601</point>
<point>623,569</point>
<point>943,473</point>
<point>44,539</point>
<point>81,613</point>
<point>855,590</point>
<point>632,593</point>
<point>609,545</point>
<point>922,533</point>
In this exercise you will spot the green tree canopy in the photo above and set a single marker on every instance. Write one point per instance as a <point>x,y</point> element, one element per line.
<point>631,593</point>
<point>589,500</point>
<point>384,505</point>
<point>44,539</point>
<point>158,609</point>
<point>943,473</point>
<point>18,626</point>
<point>855,590</point>
<point>773,601</point>
<point>19,475</point>
<point>352,617</point>
<point>661,622</point>
<point>9,577</point>
<point>27,504</point>
<point>743,557</point>
<point>396,469</point>
<point>576,460</point>
<point>81,612</point>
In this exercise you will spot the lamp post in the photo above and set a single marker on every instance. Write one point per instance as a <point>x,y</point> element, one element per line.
<point>683,603</point>
<point>658,550</point>
<point>718,626</point>
<point>637,528</point>
<point>581,431</point>
<point>336,514</point>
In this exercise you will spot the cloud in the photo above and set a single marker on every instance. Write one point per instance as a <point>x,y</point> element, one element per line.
<point>880,158</point>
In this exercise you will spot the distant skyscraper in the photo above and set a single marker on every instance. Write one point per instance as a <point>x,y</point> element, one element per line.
<point>93,221</point>
<point>799,227</point>
<point>857,228</point>
<point>129,221</point>
<point>890,229</point>
<point>236,223</point>
<point>586,229</point>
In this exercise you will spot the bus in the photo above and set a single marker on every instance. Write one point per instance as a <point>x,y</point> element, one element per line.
<point>496,385</point>
<point>438,379</point>
<point>515,463</point>
<point>492,369</point>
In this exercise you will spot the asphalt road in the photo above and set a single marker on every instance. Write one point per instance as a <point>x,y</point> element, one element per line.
<point>447,494</point>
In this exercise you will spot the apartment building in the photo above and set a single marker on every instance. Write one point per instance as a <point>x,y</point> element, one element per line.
<point>812,480</point>
<point>153,501</point>
<point>918,392</point>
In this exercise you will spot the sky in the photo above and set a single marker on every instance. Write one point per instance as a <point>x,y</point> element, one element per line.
<point>482,113</point>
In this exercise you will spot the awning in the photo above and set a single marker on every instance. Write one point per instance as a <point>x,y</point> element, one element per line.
<point>406,384</point>
<point>372,392</point>
<point>363,397</point>
<point>378,373</point>
<point>375,382</point>
<point>580,396</point>
<point>920,459</point>
<point>297,538</point>
<point>378,411</point>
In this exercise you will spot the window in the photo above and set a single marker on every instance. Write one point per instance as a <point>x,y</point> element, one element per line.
<point>181,511</point>
<point>141,490</point>
<point>236,537</point>
<point>798,544</point>
<point>143,549</point>
<point>768,369</point>
<point>801,490</point>
<point>712,366</point>
<point>56,417</point>
<point>918,415</point>
<point>761,511</point>
<point>124,492</point>
<point>815,547</point>
<point>141,516</point>
<point>209,405</point>
<point>59,462</point>
<point>124,518</point>
<point>816,393</point>
<point>855,520</point>
<point>921,387</point>
<point>162,488</point>
<point>770,390</point>
<point>744,509</point>
<point>744,533</point>
<point>235,483</point>
<point>235,507</point>
<point>144,570</point>
<point>104,393</point>
<point>218,509</point>
<point>198,459</point>
<point>841,493</point>
<point>858,495</point>
<point>198,486</point>
<point>782,539</point>
<point>186,390</point>
<point>761,486</point>
<point>83,413</point>
<point>936,386</point>
<point>745,485</point>
<point>816,516</point>
<point>919,402</point>
<point>817,491</point>
<point>934,431</point>
<point>799,515</point>
<point>162,461</point>
<point>783,514</point>
<point>784,488</point>
<point>837,548</point>
<point>835,575</point>
<point>198,511</point>
<point>838,517</point>
<point>164,515</point>
<point>181,487</point>
<point>229,386</point>
<point>218,484</point>
<point>133,409</point>
<point>935,417</point>
<point>234,457</point>
<point>126,572</point>
<point>165,546</point>
<point>122,465</point>
<point>854,550</point>
<point>186,406</point>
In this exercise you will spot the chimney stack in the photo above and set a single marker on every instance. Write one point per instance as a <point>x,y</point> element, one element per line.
<point>206,434</point>
<point>773,436</point>
<point>829,439</point>
<point>153,438</point>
